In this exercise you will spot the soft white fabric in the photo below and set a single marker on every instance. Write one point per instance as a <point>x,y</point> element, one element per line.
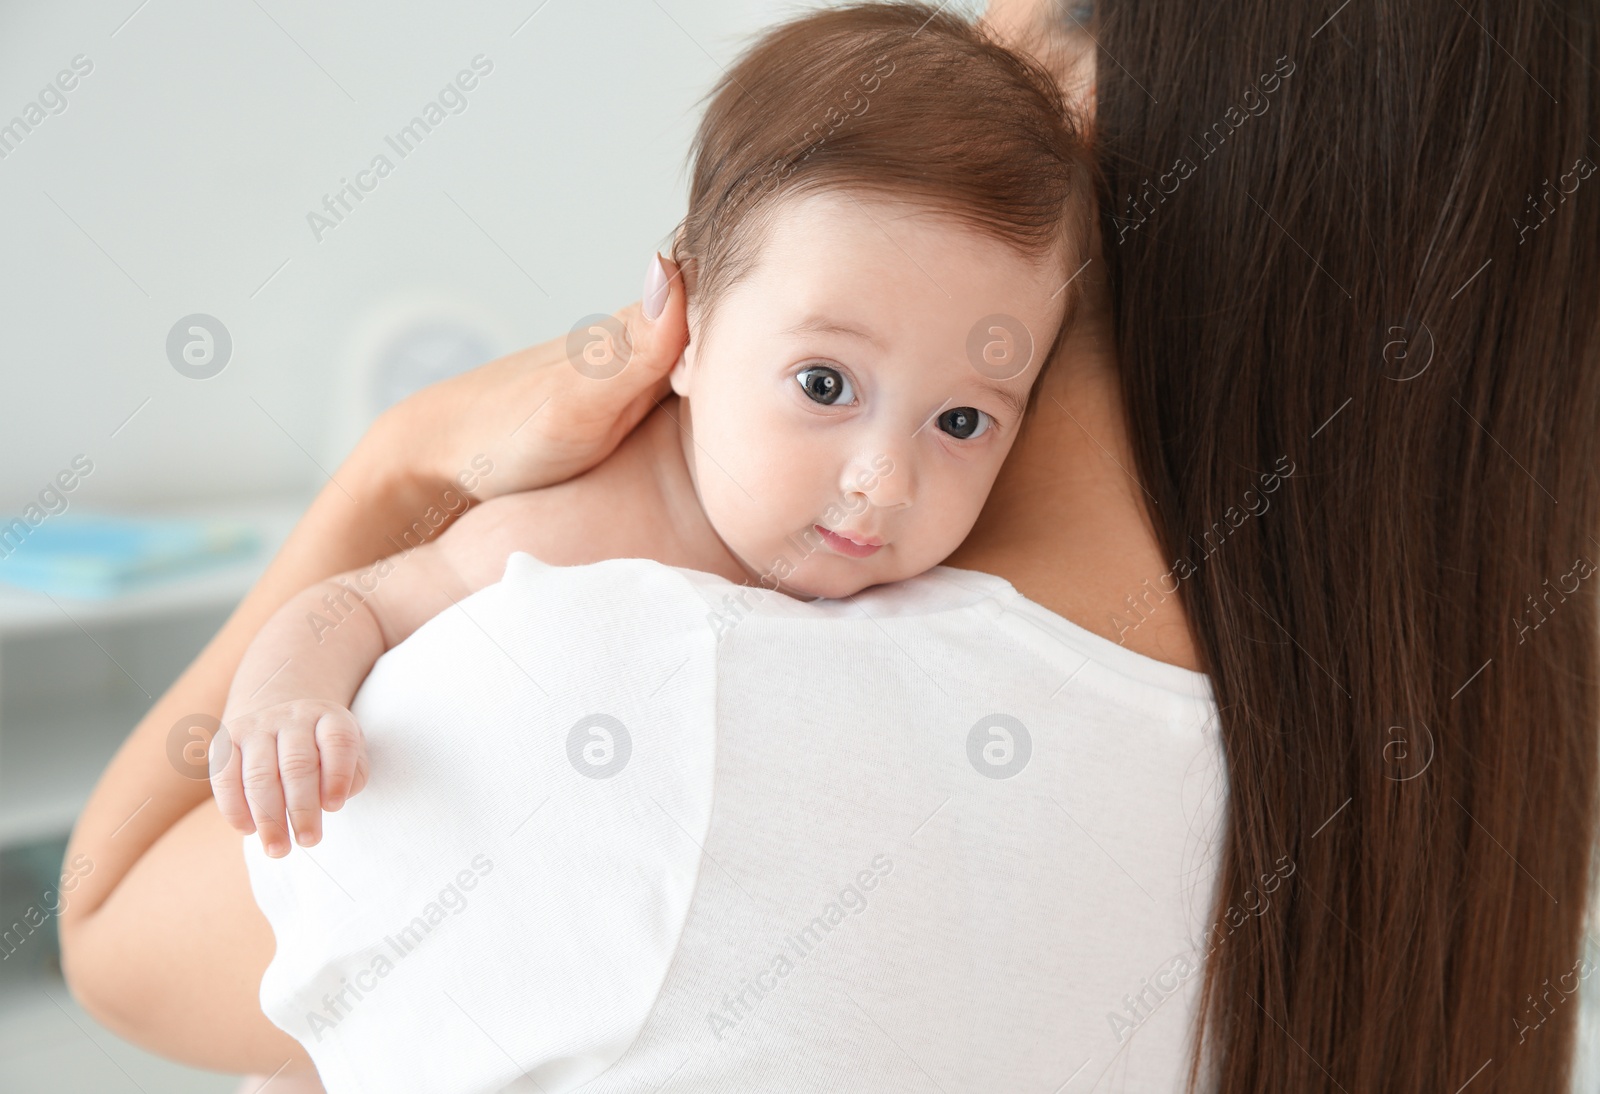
<point>805,875</point>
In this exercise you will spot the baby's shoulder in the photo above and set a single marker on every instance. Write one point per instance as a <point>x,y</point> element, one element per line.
<point>617,509</point>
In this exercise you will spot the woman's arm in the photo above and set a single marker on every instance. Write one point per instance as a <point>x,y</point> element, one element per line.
<point>162,941</point>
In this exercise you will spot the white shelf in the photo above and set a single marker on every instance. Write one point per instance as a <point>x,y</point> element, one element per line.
<point>26,610</point>
<point>55,740</point>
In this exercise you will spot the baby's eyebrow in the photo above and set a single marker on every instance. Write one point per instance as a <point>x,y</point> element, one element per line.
<point>822,324</point>
<point>1014,401</point>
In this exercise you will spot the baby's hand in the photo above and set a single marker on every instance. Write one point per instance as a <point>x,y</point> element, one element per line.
<point>307,753</point>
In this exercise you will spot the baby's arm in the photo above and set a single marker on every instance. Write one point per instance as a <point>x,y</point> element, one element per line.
<point>298,747</point>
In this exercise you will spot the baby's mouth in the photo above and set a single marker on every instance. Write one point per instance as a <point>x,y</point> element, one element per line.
<point>846,546</point>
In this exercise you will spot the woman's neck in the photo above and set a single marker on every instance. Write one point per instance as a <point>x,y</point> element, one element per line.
<point>1067,521</point>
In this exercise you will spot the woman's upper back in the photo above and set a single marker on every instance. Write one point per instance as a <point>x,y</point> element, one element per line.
<point>736,841</point>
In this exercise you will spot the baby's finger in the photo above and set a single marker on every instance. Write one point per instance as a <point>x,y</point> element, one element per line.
<point>226,785</point>
<point>264,792</point>
<point>342,751</point>
<point>360,779</point>
<point>298,766</point>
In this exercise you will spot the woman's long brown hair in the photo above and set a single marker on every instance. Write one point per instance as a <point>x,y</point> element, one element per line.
<point>1365,240</point>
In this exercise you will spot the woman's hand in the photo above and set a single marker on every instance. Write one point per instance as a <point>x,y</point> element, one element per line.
<point>552,411</point>
<point>164,927</point>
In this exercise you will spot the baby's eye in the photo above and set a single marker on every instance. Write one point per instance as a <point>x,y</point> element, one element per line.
<point>825,385</point>
<point>964,422</point>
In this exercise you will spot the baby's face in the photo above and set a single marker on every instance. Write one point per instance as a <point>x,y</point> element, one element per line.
<point>829,460</point>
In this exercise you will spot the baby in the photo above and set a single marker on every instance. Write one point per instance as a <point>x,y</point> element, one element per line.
<point>886,213</point>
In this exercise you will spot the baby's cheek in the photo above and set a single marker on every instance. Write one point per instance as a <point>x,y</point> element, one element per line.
<point>744,511</point>
<point>778,495</point>
<point>939,530</point>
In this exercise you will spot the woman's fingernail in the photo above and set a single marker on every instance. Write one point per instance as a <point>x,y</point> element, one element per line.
<point>655,289</point>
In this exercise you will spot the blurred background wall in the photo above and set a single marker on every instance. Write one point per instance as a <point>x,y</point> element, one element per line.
<point>178,175</point>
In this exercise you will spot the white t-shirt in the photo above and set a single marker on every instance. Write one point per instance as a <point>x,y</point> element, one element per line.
<point>626,830</point>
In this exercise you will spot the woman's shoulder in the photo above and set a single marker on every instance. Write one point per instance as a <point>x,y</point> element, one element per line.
<point>970,616</point>
<point>976,622</point>
<point>1054,636</point>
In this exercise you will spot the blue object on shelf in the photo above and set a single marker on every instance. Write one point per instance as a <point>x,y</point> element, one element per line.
<point>96,556</point>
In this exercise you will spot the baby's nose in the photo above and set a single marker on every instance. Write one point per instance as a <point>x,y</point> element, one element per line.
<point>886,482</point>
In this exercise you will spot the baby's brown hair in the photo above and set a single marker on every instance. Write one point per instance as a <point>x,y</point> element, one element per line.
<point>895,98</point>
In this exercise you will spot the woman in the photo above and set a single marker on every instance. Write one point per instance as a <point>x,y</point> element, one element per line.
<point>1356,240</point>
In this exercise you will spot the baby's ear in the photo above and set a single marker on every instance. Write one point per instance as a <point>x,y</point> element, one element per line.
<point>679,376</point>
<point>683,367</point>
